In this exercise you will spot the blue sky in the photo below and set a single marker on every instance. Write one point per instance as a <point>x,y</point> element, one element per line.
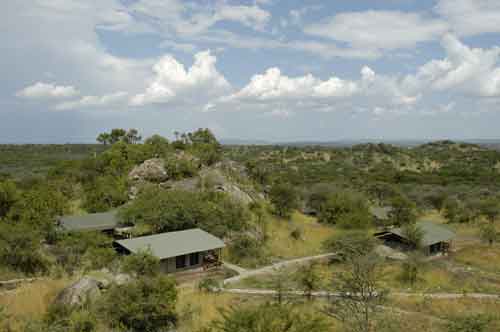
<point>263,69</point>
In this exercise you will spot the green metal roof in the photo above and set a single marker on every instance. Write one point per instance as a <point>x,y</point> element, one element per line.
<point>90,222</point>
<point>433,233</point>
<point>381,212</point>
<point>172,244</point>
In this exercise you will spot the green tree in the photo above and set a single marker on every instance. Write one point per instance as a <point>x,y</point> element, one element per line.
<point>9,195</point>
<point>38,208</point>
<point>117,135</point>
<point>132,136</point>
<point>173,210</point>
<point>350,245</point>
<point>105,193</point>
<point>284,198</point>
<point>470,323</point>
<point>158,145</point>
<point>104,138</point>
<point>410,269</point>
<point>490,208</point>
<point>142,263</point>
<point>145,304</point>
<point>403,211</point>
<point>413,234</point>
<point>268,317</point>
<point>360,296</point>
<point>309,279</point>
<point>20,248</point>
<point>488,233</point>
<point>346,209</point>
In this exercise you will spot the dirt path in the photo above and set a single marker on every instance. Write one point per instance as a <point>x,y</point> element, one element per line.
<point>243,273</point>
<point>267,292</point>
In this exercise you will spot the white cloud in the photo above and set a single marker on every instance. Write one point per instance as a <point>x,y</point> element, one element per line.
<point>183,18</point>
<point>472,70</point>
<point>173,82</point>
<point>471,17</point>
<point>42,90</point>
<point>272,85</point>
<point>184,47</point>
<point>93,101</point>
<point>379,29</point>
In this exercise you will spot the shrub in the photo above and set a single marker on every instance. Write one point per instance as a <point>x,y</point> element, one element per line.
<point>284,197</point>
<point>246,249</point>
<point>346,209</point>
<point>20,249</point>
<point>268,318</point>
<point>146,304</point>
<point>351,244</point>
<point>105,193</point>
<point>142,263</point>
<point>208,284</point>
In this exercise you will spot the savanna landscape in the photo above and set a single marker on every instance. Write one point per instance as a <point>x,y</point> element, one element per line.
<point>298,225</point>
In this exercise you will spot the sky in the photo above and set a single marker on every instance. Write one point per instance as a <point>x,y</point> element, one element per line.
<point>273,70</point>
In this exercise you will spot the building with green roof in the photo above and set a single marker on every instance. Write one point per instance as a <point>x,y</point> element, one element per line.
<point>177,251</point>
<point>104,222</point>
<point>436,238</point>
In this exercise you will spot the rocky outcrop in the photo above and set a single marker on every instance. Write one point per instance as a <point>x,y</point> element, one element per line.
<point>84,290</point>
<point>217,177</point>
<point>152,170</point>
<point>90,287</point>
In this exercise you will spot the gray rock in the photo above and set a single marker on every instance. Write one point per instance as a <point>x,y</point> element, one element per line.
<point>122,278</point>
<point>152,170</point>
<point>79,293</point>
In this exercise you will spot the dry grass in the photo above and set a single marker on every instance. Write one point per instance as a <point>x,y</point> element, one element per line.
<point>483,257</point>
<point>31,300</point>
<point>451,309</point>
<point>197,308</point>
<point>282,245</point>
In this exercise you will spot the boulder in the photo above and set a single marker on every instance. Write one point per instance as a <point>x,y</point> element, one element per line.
<point>84,290</point>
<point>122,278</point>
<point>151,170</point>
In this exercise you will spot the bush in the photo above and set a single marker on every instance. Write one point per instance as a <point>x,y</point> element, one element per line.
<point>246,249</point>
<point>173,210</point>
<point>284,197</point>
<point>471,323</point>
<point>350,245</point>
<point>208,284</point>
<point>83,250</point>
<point>8,197</point>
<point>268,318</point>
<point>20,249</point>
<point>346,209</point>
<point>146,304</point>
<point>105,193</point>
<point>142,263</point>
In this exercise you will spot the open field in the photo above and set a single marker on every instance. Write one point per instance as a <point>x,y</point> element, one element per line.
<point>282,245</point>
<point>32,160</point>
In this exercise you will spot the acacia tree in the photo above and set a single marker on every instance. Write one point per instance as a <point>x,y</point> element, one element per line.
<point>490,208</point>
<point>403,211</point>
<point>413,234</point>
<point>309,279</point>
<point>284,198</point>
<point>8,197</point>
<point>488,233</point>
<point>360,296</point>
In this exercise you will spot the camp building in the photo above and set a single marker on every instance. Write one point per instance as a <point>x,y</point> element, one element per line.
<point>103,222</point>
<point>436,238</point>
<point>177,251</point>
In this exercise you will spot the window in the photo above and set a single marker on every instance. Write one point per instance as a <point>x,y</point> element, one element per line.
<point>180,262</point>
<point>194,259</point>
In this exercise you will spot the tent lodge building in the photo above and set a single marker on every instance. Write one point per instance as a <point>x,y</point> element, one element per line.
<point>437,239</point>
<point>192,249</point>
